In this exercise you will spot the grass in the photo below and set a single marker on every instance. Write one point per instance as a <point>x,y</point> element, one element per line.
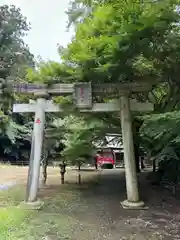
<point>10,216</point>
<point>56,220</point>
<point>49,223</point>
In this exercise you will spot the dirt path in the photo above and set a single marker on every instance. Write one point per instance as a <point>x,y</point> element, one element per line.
<point>19,174</point>
<point>96,212</point>
<point>160,221</point>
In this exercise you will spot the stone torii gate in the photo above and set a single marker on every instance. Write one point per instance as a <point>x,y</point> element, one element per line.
<point>83,94</point>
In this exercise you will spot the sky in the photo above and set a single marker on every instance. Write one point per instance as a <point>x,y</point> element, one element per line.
<point>48,25</point>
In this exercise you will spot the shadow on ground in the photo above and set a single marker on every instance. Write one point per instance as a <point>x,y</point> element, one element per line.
<point>96,212</point>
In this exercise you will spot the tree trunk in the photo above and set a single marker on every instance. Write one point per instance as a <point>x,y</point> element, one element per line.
<point>136,127</point>
<point>79,173</point>
<point>62,171</point>
<point>154,165</point>
<point>95,163</point>
<point>142,164</point>
<point>44,171</point>
<point>136,152</point>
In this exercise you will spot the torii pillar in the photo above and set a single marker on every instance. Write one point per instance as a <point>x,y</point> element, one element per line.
<point>133,201</point>
<point>31,201</point>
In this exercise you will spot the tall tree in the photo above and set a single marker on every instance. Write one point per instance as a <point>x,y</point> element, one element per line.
<point>15,57</point>
<point>14,54</point>
<point>121,41</point>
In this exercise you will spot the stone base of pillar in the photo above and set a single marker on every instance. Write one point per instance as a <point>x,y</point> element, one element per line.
<point>133,205</point>
<point>37,205</point>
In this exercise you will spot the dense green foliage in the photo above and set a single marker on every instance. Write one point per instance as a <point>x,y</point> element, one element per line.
<point>14,54</point>
<point>15,58</point>
<point>117,41</point>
